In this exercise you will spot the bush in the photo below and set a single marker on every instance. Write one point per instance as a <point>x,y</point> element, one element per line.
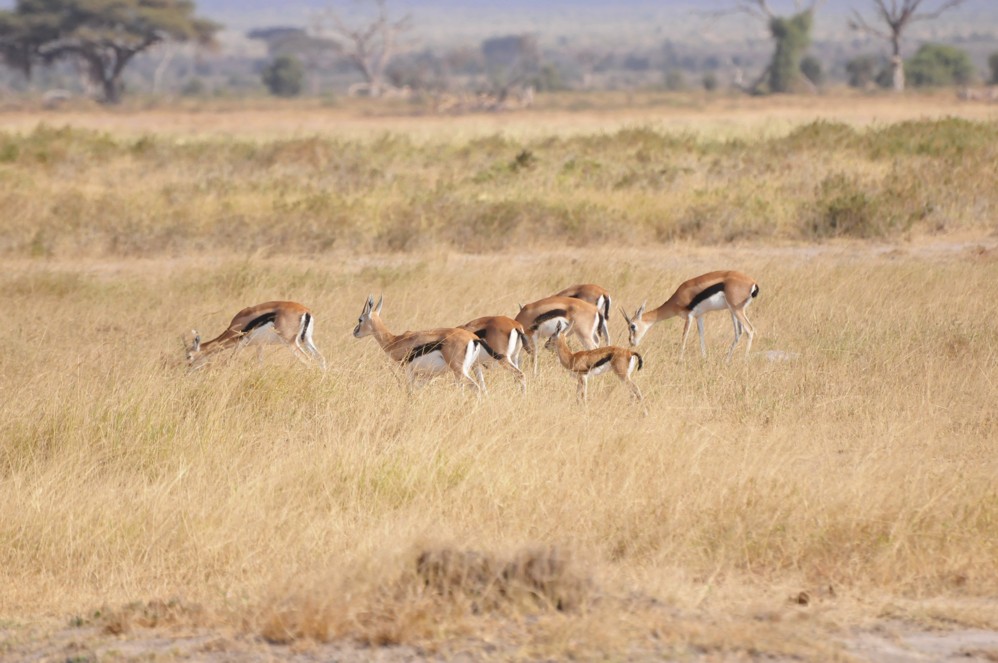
<point>993,63</point>
<point>710,82</point>
<point>284,76</point>
<point>938,64</point>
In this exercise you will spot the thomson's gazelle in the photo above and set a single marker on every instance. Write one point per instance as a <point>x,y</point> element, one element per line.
<point>287,323</point>
<point>505,336</point>
<point>596,295</point>
<point>540,318</point>
<point>715,291</point>
<point>621,361</point>
<point>429,352</point>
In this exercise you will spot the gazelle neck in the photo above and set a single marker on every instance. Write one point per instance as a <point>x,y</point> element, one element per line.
<point>565,354</point>
<point>380,333</point>
<point>663,312</point>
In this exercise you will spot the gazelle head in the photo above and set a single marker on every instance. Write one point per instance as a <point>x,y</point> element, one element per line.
<point>194,354</point>
<point>560,330</point>
<point>636,326</point>
<point>364,325</point>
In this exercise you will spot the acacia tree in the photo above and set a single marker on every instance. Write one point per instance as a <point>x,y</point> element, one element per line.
<point>897,15</point>
<point>102,35</point>
<point>372,45</point>
<point>792,36</point>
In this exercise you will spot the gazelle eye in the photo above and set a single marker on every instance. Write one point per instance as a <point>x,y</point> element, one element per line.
<point>634,327</point>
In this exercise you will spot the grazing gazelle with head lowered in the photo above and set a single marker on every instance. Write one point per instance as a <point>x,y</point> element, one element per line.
<point>621,361</point>
<point>287,323</point>
<point>714,291</point>
<point>596,295</point>
<point>540,318</point>
<point>505,336</point>
<point>431,352</point>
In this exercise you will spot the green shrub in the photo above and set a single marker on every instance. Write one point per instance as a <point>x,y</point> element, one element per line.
<point>939,64</point>
<point>284,76</point>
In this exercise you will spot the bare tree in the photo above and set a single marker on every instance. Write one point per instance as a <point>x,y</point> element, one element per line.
<point>897,15</point>
<point>371,46</point>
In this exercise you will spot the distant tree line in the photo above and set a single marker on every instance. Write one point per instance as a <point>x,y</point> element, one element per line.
<point>103,44</point>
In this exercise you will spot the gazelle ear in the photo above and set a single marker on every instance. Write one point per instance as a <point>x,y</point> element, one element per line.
<point>520,305</point>
<point>368,305</point>
<point>381,300</point>
<point>557,328</point>
<point>641,310</point>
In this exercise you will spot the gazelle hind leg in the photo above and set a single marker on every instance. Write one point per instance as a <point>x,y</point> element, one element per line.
<point>462,372</point>
<point>738,334</point>
<point>749,330</point>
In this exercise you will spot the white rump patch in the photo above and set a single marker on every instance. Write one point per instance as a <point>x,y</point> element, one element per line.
<point>471,355</point>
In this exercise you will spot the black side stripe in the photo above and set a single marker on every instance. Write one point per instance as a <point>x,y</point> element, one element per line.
<point>304,328</point>
<point>641,362</point>
<point>265,319</point>
<point>424,349</point>
<point>604,360</point>
<point>544,317</point>
<point>523,342</point>
<point>480,334</point>
<point>706,293</point>
<point>488,348</point>
<point>755,290</point>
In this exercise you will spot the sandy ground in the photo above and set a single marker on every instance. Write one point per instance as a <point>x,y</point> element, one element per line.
<point>889,642</point>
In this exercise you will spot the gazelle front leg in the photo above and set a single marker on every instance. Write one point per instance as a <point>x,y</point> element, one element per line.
<point>686,334</point>
<point>481,378</point>
<point>703,341</point>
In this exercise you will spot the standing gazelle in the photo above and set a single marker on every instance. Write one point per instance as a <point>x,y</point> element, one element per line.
<point>276,323</point>
<point>505,336</point>
<point>714,291</point>
<point>429,352</point>
<point>540,318</point>
<point>596,295</point>
<point>584,363</point>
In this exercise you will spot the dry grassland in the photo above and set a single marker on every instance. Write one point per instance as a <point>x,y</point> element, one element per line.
<point>840,480</point>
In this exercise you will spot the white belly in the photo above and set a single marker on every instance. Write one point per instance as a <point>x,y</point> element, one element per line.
<point>599,370</point>
<point>263,335</point>
<point>548,327</point>
<point>716,302</point>
<point>431,362</point>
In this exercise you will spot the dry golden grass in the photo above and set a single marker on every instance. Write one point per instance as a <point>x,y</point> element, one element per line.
<point>840,480</point>
<point>764,507</point>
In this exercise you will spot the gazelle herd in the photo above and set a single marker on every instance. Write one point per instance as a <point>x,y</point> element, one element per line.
<point>582,310</point>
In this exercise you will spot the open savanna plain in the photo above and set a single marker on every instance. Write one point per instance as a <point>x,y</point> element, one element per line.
<point>830,497</point>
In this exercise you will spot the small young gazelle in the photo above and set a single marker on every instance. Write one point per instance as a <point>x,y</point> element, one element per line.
<point>621,361</point>
<point>431,352</point>
<point>270,323</point>
<point>540,318</point>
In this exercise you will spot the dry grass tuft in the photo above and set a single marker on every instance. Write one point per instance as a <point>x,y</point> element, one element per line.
<point>542,575</point>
